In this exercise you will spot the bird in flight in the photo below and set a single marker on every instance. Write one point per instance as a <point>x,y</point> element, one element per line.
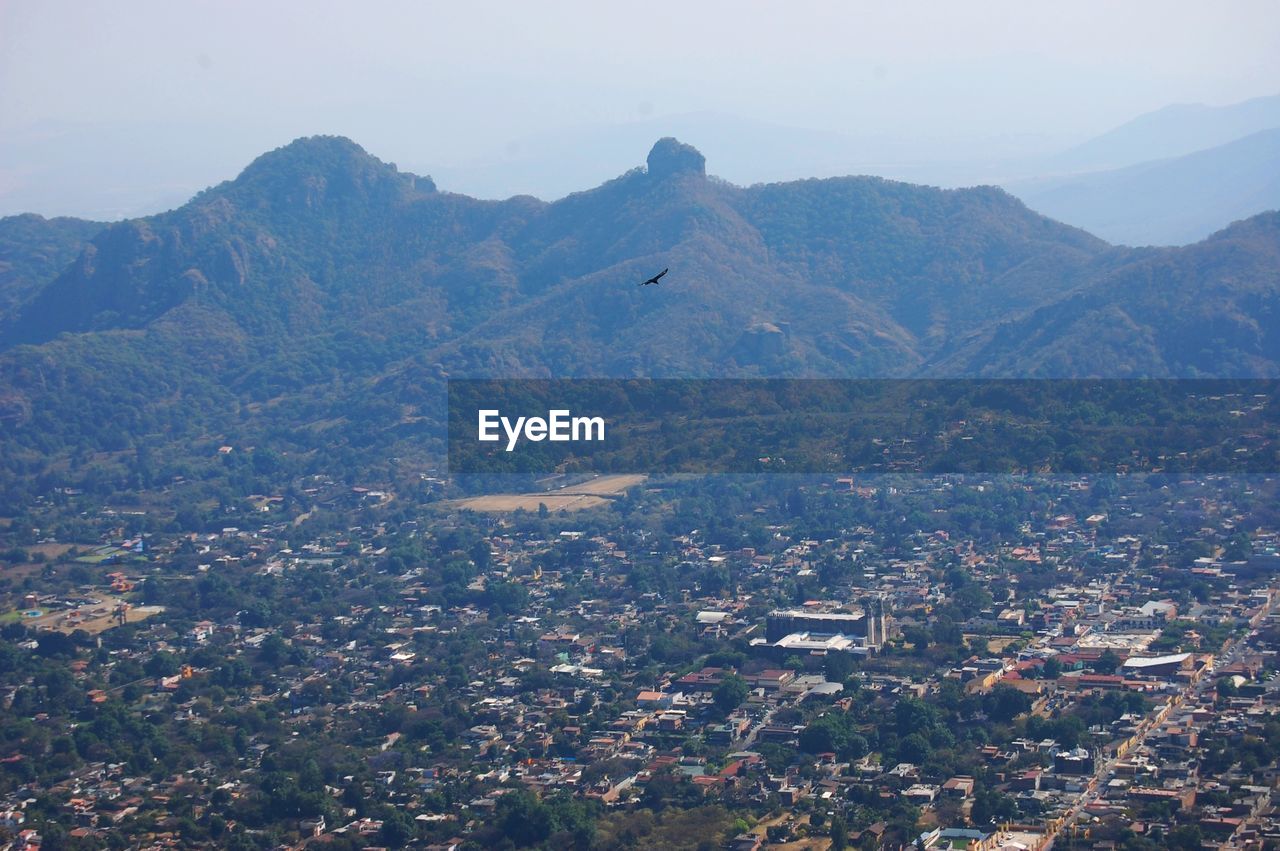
<point>654,279</point>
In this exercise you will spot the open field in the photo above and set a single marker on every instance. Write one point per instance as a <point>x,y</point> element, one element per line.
<point>996,643</point>
<point>531,501</point>
<point>589,494</point>
<point>105,553</point>
<point>100,624</point>
<point>50,551</point>
<point>93,619</point>
<point>606,485</point>
<point>15,573</point>
<point>812,843</point>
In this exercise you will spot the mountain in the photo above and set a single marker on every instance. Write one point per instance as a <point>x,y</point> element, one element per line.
<point>1167,202</point>
<point>316,304</point>
<point>743,151</point>
<point>1209,309</point>
<point>1169,132</point>
<point>319,236</point>
<point>253,248</point>
<point>33,250</point>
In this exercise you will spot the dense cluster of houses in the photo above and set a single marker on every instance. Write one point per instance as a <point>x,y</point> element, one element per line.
<point>596,728</point>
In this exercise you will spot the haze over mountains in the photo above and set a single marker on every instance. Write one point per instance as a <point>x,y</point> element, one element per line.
<point>321,298</point>
<point>1126,185</point>
<point>741,150</point>
<point>1173,131</point>
<point>1168,178</point>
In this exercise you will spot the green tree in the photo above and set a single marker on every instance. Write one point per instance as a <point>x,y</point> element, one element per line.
<point>397,828</point>
<point>729,695</point>
<point>822,736</point>
<point>523,818</point>
<point>1107,662</point>
<point>914,748</point>
<point>1187,837</point>
<point>839,834</point>
<point>838,667</point>
<point>990,807</point>
<point>1004,703</point>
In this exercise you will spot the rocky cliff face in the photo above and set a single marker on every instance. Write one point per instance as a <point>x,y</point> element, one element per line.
<point>671,157</point>
<point>762,343</point>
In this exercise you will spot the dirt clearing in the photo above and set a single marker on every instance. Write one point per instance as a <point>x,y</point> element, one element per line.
<point>589,494</point>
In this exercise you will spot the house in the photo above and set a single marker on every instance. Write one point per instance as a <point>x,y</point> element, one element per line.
<point>1075,761</point>
<point>954,837</point>
<point>921,793</point>
<point>745,842</point>
<point>705,680</point>
<point>1162,667</point>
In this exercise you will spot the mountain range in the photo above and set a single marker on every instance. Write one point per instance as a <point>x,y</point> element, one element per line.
<point>1173,201</point>
<point>1173,131</point>
<point>1120,185</point>
<point>318,302</point>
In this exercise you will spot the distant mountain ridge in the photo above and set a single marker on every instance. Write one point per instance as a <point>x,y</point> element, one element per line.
<point>1174,131</point>
<point>1173,201</point>
<point>322,298</point>
<point>1203,310</point>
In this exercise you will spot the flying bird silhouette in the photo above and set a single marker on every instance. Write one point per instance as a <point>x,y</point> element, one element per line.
<point>654,279</point>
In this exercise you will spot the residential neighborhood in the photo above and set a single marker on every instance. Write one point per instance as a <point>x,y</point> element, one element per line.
<point>890,662</point>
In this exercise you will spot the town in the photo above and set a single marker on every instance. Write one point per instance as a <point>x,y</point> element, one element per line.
<point>722,662</point>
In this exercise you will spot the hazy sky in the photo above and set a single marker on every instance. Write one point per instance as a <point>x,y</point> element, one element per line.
<point>198,88</point>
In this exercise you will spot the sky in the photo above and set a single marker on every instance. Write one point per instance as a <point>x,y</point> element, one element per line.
<point>120,108</point>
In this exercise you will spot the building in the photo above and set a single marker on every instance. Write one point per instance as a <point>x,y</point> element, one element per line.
<point>1163,667</point>
<point>1075,761</point>
<point>870,625</point>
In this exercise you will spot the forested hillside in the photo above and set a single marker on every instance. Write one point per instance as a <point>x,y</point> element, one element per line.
<point>34,250</point>
<point>314,306</point>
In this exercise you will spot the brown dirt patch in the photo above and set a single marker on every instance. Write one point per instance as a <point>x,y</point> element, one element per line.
<point>589,494</point>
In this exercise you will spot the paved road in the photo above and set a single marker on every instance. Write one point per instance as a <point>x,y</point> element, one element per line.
<point>1092,791</point>
<point>755,730</point>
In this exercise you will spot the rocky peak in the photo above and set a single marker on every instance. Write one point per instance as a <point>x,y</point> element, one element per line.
<point>314,169</point>
<point>670,157</point>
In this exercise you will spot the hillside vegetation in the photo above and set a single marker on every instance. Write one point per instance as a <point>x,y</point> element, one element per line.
<point>313,307</point>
